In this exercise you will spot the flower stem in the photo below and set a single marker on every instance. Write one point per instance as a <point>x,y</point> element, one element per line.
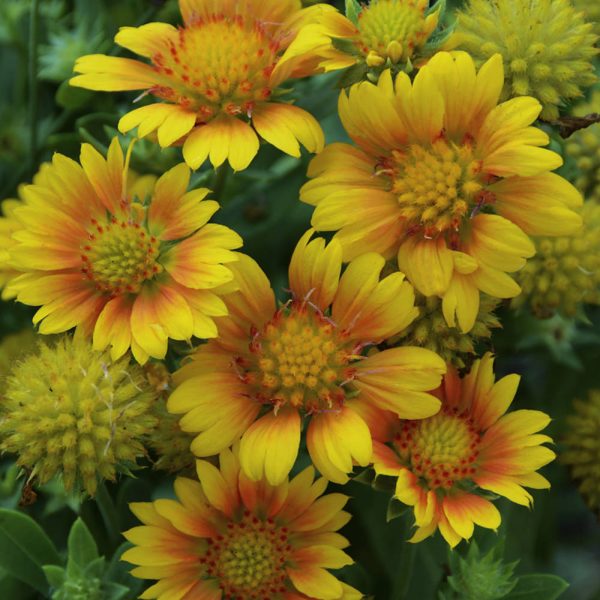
<point>219,182</point>
<point>107,509</point>
<point>33,84</point>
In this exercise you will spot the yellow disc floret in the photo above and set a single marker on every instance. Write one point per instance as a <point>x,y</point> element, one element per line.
<point>546,46</point>
<point>68,409</point>
<point>300,359</point>
<point>565,272</point>
<point>199,75</point>
<point>582,447</point>
<point>437,187</point>
<point>441,450</point>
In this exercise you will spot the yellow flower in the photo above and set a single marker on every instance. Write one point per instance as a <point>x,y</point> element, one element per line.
<point>444,178</point>
<point>135,271</point>
<point>582,447</point>
<point>546,45</point>
<point>583,146</point>
<point>382,34</point>
<point>68,409</point>
<point>217,79</point>
<point>271,367</point>
<point>444,465</point>
<point>565,271</point>
<point>229,537</point>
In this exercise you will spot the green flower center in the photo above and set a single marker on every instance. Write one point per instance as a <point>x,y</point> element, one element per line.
<point>391,29</point>
<point>119,256</point>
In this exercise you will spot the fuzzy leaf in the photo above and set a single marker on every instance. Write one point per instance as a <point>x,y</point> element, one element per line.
<point>353,9</point>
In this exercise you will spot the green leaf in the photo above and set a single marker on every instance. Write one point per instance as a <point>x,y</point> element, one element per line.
<point>95,569</point>
<point>25,549</point>
<point>538,587</point>
<point>395,509</point>
<point>55,575</point>
<point>353,9</point>
<point>82,548</point>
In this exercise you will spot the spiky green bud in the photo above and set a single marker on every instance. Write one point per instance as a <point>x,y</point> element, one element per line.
<point>565,271</point>
<point>68,409</point>
<point>479,576</point>
<point>546,46</point>
<point>582,447</point>
<point>583,147</point>
<point>591,12</point>
<point>12,348</point>
<point>430,330</point>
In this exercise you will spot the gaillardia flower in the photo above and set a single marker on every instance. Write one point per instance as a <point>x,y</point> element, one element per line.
<point>378,35</point>
<point>271,367</point>
<point>134,271</point>
<point>229,537</point>
<point>217,79</point>
<point>582,447</point>
<point>565,272</point>
<point>546,45</point>
<point>445,464</point>
<point>444,178</point>
<point>70,410</point>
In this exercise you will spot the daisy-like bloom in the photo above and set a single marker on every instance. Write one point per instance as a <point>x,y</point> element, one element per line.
<point>216,78</point>
<point>134,271</point>
<point>383,33</point>
<point>445,464</point>
<point>228,537</point>
<point>444,178</point>
<point>271,367</point>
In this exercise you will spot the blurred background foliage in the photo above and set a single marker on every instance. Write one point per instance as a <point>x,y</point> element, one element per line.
<point>558,358</point>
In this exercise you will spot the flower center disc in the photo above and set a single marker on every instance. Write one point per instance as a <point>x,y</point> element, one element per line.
<point>217,64</point>
<point>300,359</point>
<point>437,187</point>
<point>119,256</point>
<point>387,21</point>
<point>441,450</point>
<point>249,559</point>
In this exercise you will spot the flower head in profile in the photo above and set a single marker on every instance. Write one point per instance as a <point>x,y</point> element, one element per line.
<point>271,368</point>
<point>217,79</point>
<point>547,47</point>
<point>70,410</point>
<point>375,36</point>
<point>229,537</point>
<point>443,178</point>
<point>565,272</point>
<point>446,465</point>
<point>134,271</point>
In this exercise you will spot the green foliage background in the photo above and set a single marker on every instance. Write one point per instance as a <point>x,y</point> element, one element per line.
<point>558,360</point>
